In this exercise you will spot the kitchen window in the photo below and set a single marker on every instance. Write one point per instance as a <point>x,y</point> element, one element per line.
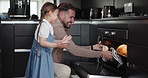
<point>4,6</point>
<point>33,8</point>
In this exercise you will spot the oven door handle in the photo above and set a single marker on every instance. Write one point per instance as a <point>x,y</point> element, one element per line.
<point>98,76</point>
<point>22,50</point>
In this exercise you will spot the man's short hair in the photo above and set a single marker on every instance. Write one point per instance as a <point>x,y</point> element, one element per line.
<point>66,7</point>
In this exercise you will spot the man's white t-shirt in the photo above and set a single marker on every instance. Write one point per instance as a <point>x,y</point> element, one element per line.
<point>44,30</point>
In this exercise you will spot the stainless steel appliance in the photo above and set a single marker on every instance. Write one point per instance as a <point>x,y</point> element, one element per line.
<point>91,13</point>
<point>108,11</point>
<point>105,69</point>
<point>95,13</point>
<point>19,9</point>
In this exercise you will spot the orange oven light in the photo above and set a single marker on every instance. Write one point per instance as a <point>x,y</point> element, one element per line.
<point>107,42</point>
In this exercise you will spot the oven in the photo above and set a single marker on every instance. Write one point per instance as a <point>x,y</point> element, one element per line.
<point>101,68</point>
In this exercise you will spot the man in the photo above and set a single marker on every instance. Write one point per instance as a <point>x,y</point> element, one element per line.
<point>61,28</point>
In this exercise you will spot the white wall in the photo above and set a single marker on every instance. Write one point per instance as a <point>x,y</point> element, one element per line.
<point>4,5</point>
<point>76,3</point>
<point>40,3</point>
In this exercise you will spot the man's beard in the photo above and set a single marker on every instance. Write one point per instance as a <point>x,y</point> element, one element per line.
<point>66,26</point>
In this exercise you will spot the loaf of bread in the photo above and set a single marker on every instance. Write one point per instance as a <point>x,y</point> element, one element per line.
<point>122,50</point>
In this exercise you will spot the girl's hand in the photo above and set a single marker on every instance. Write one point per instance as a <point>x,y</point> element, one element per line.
<point>64,42</point>
<point>61,45</point>
<point>66,39</point>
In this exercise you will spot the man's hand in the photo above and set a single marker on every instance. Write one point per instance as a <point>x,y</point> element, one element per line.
<point>100,47</point>
<point>107,54</point>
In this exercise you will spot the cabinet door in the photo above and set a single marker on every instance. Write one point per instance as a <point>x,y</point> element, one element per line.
<point>75,32</point>
<point>138,34</point>
<point>7,51</point>
<point>137,56</point>
<point>24,35</point>
<point>20,63</point>
<point>75,29</point>
<point>0,51</point>
<point>23,42</point>
<point>133,73</point>
<point>85,30</point>
<point>25,29</point>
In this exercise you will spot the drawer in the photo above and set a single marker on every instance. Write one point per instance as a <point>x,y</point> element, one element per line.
<point>76,40</point>
<point>23,42</point>
<point>25,30</point>
<point>20,64</point>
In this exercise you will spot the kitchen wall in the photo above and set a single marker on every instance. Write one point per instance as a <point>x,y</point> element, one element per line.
<point>76,3</point>
<point>4,9</point>
<point>95,3</point>
<point>40,3</point>
<point>139,5</point>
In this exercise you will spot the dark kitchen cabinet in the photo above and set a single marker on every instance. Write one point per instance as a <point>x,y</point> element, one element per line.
<point>20,63</point>
<point>138,34</point>
<point>81,33</point>
<point>137,50</point>
<point>81,36</point>
<point>137,56</point>
<point>75,31</point>
<point>24,35</point>
<point>0,50</point>
<point>7,50</point>
<point>17,41</point>
<point>23,38</point>
<point>16,44</point>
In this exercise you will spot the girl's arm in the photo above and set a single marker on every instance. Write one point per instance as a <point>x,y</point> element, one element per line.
<point>58,44</point>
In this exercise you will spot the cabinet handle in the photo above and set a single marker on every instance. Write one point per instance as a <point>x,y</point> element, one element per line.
<point>21,50</point>
<point>26,50</point>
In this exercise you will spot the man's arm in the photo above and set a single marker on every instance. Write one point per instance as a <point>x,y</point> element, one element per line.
<point>74,49</point>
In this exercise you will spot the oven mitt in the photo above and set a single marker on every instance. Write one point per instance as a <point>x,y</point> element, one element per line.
<point>116,57</point>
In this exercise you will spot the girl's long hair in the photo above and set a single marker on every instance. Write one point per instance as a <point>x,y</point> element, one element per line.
<point>48,6</point>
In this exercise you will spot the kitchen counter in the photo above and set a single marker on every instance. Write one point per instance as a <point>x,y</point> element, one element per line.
<point>129,19</point>
<point>123,18</point>
<point>25,21</point>
<point>19,22</point>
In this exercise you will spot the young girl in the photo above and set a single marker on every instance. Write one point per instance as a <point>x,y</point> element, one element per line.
<point>40,63</point>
